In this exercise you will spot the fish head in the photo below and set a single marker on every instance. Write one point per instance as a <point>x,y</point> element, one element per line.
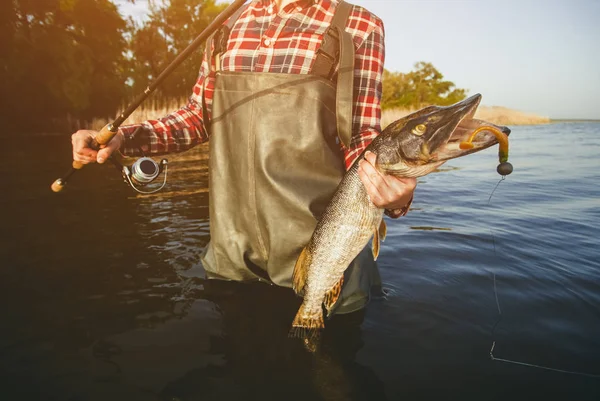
<point>422,141</point>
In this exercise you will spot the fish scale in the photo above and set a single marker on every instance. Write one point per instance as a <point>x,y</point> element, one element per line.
<point>335,244</point>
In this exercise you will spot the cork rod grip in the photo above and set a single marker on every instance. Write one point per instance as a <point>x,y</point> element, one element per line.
<point>102,138</point>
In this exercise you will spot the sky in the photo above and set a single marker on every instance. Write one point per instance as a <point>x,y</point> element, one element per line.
<point>537,56</point>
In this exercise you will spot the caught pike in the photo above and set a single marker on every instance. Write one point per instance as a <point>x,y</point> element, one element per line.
<point>413,146</point>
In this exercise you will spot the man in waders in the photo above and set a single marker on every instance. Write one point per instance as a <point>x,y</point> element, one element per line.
<point>289,94</point>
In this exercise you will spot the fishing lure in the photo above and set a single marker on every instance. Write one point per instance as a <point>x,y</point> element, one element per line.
<point>504,168</point>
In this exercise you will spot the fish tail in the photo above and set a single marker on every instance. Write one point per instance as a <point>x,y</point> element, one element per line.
<point>307,320</point>
<point>307,327</point>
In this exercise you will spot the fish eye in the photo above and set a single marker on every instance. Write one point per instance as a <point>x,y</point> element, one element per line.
<point>419,129</point>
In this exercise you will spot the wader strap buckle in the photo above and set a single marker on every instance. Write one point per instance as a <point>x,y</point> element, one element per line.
<point>217,43</point>
<point>328,54</point>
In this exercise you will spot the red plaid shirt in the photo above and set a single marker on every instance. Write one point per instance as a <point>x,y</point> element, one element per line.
<point>265,39</point>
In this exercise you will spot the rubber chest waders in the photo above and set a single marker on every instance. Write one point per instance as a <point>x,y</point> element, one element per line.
<point>275,164</point>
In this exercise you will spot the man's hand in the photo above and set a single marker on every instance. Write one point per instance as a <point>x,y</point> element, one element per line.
<point>82,152</point>
<point>385,191</point>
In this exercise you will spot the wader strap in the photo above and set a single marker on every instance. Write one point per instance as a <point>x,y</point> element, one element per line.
<point>337,45</point>
<point>219,38</point>
<point>328,54</point>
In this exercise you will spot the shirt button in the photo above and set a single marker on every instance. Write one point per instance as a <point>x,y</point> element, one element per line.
<point>267,42</point>
<point>270,9</point>
<point>298,8</point>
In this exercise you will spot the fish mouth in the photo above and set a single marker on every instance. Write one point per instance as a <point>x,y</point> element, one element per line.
<point>467,134</point>
<point>484,138</point>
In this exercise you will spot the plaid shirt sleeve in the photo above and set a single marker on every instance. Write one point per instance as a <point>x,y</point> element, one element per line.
<point>368,75</point>
<point>177,132</point>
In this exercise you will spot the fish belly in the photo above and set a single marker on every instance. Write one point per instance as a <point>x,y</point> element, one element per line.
<point>344,230</point>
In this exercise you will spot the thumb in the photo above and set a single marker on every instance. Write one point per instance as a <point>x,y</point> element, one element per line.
<point>105,152</point>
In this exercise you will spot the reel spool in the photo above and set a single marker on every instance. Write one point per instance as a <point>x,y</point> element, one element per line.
<point>144,171</point>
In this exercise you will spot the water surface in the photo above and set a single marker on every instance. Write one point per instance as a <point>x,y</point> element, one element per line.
<point>103,296</point>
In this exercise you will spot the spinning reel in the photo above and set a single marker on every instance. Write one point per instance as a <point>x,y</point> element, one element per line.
<point>143,171</point>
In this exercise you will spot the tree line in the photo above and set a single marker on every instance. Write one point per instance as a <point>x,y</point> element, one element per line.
<point>423,86</point>
<point>67,60</point>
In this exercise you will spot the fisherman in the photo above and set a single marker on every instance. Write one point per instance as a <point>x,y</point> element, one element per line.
<point>289,93</point>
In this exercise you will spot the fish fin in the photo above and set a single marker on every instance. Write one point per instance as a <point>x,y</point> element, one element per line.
<point>310,337</point>
<point>382,230</point>
<point>375,248</point>
<point>333,294</point>
<point>300,272</point>
<point>307,328</point>
<point>308,321</point>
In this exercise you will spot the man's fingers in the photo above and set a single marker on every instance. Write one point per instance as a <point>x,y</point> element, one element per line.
<point>104,154</point>
<point>375,175</point>
<point>80,140</point>
<point>384,190</point>
<point>85,152</point>
<point>402,184</point>
<point>85,156</point>
<point>371,180</point>
<point>108,150</point>
<point>81,150</point>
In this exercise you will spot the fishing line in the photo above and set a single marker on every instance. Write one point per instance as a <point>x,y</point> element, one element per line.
<point>490,198</point>
<point>492,357</point>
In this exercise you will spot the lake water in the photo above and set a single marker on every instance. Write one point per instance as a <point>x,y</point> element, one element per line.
<point>103,297</point>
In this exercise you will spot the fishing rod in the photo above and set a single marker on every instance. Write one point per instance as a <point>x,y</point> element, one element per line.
<point>110,130</point>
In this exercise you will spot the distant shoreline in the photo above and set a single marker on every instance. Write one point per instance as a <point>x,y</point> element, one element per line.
<point>494,114</point>
<point>574,120</point>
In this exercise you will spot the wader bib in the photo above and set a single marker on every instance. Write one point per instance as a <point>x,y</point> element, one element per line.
<point>274,165</point>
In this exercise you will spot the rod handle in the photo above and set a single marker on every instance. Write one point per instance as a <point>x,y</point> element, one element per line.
<point>102,138</point>
<point>57,185</point>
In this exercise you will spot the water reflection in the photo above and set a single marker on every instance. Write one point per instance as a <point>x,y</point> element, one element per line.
<point>427,228</point>
<point>231,343</point>
<point>260,361</point>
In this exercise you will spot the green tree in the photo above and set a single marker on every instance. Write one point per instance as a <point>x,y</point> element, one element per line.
<point>423,86</point>
<point>64,57</point>
<point>396,90</point>
<point>171,27</point>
